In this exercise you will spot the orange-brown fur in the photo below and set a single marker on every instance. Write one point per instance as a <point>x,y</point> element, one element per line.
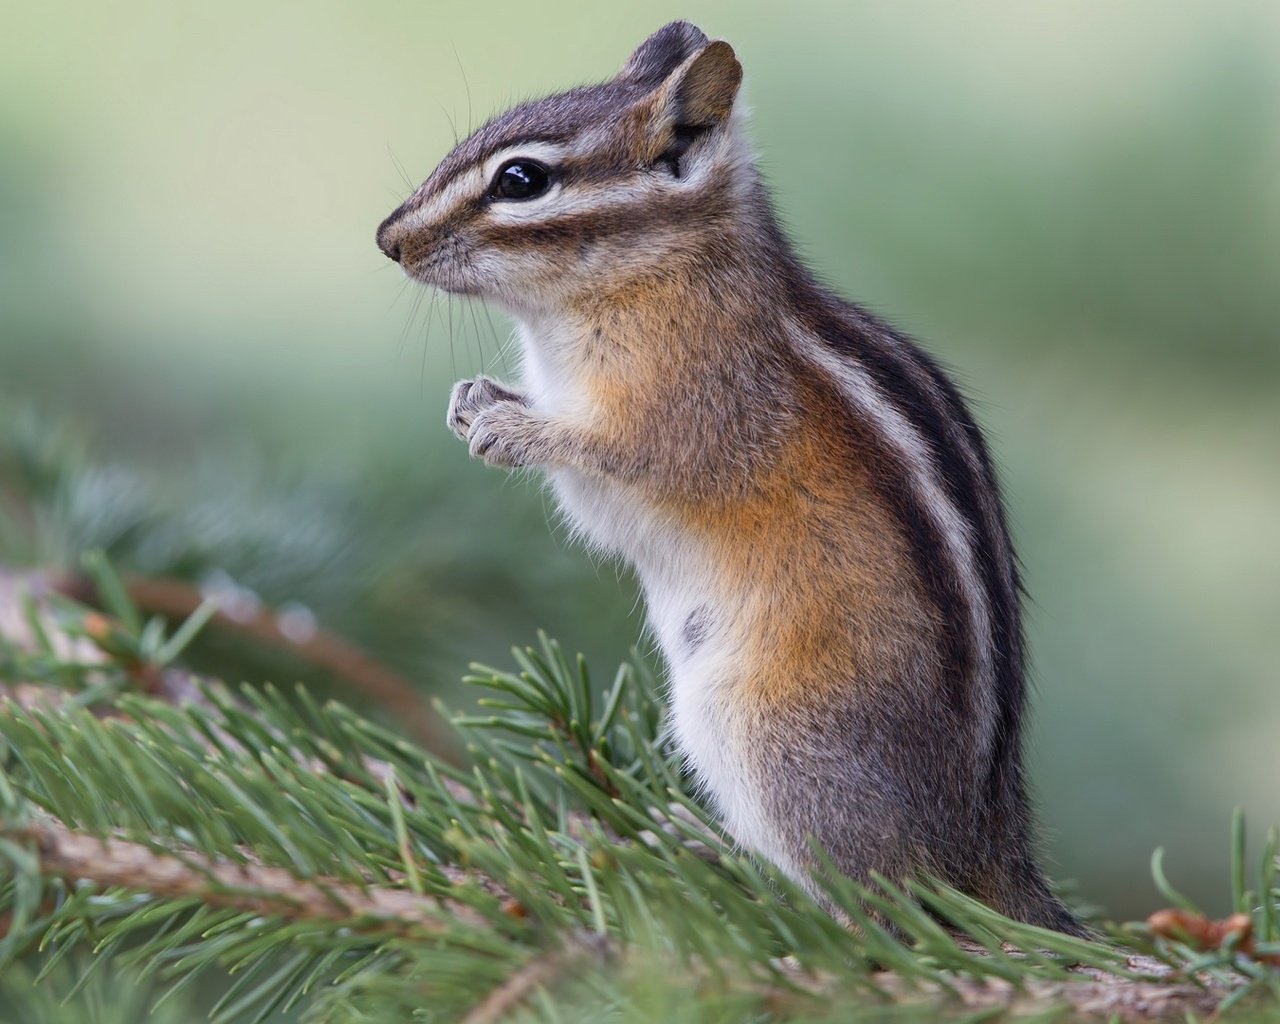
<point>802,532</point>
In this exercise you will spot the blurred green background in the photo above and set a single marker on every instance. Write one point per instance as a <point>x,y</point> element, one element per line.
<point>1076,206</point>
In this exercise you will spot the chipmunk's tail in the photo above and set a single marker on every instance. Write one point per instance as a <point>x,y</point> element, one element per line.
<point>1022,892</point>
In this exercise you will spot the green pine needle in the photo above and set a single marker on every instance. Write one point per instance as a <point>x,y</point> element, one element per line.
<point>573,821</point>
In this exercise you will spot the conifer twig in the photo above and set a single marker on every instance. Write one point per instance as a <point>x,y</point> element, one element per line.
<point>257,888</point>
<point>539,973</point>
<point>176,599</point>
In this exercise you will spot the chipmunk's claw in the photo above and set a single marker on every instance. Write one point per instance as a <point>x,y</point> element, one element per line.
<point>471,397</point>
<point>499,435</point>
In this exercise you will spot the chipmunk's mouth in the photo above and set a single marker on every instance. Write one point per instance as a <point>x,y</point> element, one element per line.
<point>431,255</point>
<point>448,276</point>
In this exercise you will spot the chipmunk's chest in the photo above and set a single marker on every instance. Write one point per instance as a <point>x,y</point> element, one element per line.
<point>562,378</point>
<point>559,380</point>
<point>693,613</point>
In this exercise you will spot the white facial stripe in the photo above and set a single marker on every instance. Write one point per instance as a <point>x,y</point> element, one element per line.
<point>463,186</point>
<point>564,202</point>
<point>474,182</point>
<point>546,153</point>
<point>715,159</point>
<point>712,158</point>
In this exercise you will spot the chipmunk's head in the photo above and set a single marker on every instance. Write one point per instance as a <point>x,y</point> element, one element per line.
<point>589,188</point>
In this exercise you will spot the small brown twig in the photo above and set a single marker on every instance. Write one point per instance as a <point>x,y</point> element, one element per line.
<point>539,973</point>
<point>177,599</point>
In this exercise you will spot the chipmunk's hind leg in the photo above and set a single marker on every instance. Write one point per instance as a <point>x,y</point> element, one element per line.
<point>830,808</point>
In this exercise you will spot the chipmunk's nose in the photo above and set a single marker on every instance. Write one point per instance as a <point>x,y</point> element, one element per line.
<point>387,242</point>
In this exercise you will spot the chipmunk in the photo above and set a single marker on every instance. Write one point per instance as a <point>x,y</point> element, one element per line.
<point>808,505</point>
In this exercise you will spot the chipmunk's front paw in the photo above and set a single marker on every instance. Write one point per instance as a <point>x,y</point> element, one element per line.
<point>505,434</point>
<point>471,397</point>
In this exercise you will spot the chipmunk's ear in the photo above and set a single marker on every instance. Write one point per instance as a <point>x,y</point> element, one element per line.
<point>700,92</point>
<point>690,85</point>
<point>662,53</point>
<point>695,98</point>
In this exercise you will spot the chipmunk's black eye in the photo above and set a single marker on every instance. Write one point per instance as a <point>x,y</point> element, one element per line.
<point>520,179</point>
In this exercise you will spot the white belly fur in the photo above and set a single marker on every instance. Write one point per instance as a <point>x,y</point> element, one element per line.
<point>709,724</point>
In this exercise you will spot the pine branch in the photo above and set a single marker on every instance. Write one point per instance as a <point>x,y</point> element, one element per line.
<point>544,972</point>
<point>254,888</point>
<point>176,600</point>
<point>330,860</point>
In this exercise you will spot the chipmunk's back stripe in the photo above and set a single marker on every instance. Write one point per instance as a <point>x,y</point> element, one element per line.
<point>976,486</point>
<point>946,521</point>
<point>939,536</point>
<point>959,460</point>
<point>935,405</point>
